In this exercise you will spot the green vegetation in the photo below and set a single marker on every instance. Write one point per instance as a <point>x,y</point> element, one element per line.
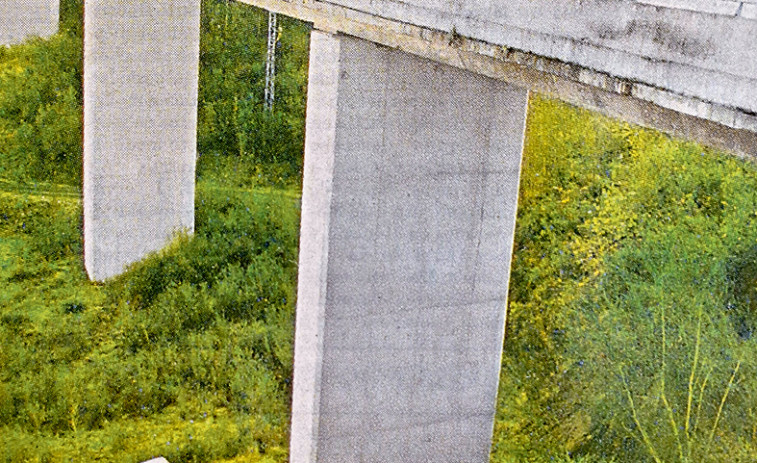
<point>235,135</point>
<point>631,314</point>
<point>187,355</point>
<point>41,101</point>
<point>633,295</point>
<point>40,105</point>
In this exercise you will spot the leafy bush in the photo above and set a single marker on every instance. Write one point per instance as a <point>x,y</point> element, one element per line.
<point>629,332</point>
<point>657,325</point>
<point>40,110</point>
<point>569,157</point>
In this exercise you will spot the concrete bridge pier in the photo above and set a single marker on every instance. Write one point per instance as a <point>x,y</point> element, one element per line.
<point>408,214</point>
<point>21,19</point>
<point>140,114</point>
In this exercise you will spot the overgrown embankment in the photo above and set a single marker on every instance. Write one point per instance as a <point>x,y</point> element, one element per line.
<point>187,355</point>
<point>631,316</point>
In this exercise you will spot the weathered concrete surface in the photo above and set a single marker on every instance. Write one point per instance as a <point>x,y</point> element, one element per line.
<point>701,55</point>
<point>140,117</point>
<point>409,199</point>
<point>21,19</point>
<point>681,70</point>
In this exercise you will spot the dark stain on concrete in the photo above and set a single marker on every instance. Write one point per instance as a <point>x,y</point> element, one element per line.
<point>663,34</point>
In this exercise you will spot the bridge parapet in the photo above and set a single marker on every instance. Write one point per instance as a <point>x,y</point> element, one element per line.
<point>687,68</point>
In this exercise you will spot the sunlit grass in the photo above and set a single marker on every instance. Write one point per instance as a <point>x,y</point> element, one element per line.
<point>630,316</point>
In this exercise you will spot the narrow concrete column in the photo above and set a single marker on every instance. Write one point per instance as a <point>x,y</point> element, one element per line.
<point>21,19</point>
<point>408,214</point>
<point>140,117</point>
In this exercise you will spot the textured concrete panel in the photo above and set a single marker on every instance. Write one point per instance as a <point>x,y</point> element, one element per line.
<point>694,53</point>
<point>140,117</point>
<point>21,19</point>
<point>410,192</point>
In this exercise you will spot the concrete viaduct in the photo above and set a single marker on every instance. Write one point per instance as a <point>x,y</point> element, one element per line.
<point>415,119</point>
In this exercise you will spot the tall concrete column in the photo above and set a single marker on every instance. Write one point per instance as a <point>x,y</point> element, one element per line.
<point>21,19</point>
<point>408,214</point>
<point>140,117</point>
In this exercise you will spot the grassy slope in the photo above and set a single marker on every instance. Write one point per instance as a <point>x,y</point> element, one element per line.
<point>187,355</point>
<point>617,228</point>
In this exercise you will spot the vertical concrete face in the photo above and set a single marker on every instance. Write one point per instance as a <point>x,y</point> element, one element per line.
<point>408,214</point>
<point>140,118</point>
<point>21,19</point>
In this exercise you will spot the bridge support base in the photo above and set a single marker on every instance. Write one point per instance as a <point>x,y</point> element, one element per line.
<point>21,19</point>
<point>140,118</point>
<point>408,215</point>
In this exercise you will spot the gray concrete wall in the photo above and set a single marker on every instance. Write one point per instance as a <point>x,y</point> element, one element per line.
<point>21,19</point>
<point>140,117</point>
<point>409,200</point>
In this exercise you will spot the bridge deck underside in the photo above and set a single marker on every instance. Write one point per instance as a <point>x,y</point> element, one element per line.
<point>687,72</point>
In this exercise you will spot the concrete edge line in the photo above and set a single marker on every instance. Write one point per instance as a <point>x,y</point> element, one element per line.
<point>320,139</point>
